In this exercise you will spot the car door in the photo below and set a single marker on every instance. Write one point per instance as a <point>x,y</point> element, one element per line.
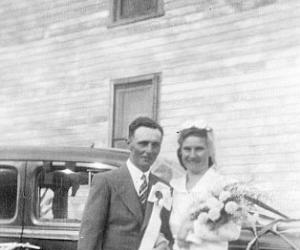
<point>12,181</point>
<point>56,192</point>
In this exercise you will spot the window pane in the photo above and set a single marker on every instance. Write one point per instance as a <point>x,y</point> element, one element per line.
<point>132,8</point>
<point>131,101</point>
<point>135,97</point>
<point>63,189</point>
<point>8,191</point>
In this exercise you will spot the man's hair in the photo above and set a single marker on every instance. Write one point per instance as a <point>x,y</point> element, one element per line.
<point>143,121</point>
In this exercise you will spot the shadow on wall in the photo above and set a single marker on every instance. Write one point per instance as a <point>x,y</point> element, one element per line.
<point>244,5</point>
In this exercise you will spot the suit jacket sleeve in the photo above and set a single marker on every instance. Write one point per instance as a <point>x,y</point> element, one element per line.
<point>95,215</point>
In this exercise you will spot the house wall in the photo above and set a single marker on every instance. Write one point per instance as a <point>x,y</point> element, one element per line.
<point>232,63</point>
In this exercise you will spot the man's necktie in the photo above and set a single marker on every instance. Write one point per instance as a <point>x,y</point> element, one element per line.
<point>143,191</point>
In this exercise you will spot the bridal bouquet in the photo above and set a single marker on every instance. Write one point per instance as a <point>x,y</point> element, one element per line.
<point>220,214</point>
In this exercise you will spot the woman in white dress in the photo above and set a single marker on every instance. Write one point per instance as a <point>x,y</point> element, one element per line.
<point>196,156</point>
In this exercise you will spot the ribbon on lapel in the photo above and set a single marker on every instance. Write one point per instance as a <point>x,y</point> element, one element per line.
<point>158,198</point>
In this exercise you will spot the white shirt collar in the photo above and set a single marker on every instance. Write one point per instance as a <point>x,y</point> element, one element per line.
<point>136,175</point>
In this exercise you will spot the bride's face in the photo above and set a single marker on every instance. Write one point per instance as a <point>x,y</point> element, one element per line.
<point>194,154</point>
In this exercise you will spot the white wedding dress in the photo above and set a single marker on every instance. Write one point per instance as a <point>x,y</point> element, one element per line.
<point>182,202</point>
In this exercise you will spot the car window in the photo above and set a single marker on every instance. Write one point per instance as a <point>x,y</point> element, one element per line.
<point>8,191</point>
<point>62,189</point>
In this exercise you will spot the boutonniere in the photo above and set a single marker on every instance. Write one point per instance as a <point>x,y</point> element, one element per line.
<point>160,194</point>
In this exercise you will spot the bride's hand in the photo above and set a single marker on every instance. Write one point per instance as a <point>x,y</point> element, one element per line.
<point>185,228</point>
<point>182,244</point>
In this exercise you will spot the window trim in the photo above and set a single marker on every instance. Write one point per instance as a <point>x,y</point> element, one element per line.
<point>115,20</point>
<point>34,205</point>
<point>154,77</point>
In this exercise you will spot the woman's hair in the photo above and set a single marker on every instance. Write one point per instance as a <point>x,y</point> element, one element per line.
<point>206,133</point>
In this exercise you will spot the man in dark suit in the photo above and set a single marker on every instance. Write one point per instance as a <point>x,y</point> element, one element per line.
<point>117,212</point>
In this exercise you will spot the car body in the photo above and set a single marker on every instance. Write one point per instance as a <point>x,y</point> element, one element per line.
<point>43,192</point>
<point>32,179</point>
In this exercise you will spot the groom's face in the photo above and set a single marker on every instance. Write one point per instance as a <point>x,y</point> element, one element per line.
<point>144,147</point>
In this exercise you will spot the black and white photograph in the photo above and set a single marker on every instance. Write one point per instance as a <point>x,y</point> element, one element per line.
<point>150,125</point>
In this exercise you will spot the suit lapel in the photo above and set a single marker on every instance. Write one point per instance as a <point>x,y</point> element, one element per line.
<point>128,193</point>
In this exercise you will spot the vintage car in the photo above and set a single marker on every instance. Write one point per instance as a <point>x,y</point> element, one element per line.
<point>43,193</point>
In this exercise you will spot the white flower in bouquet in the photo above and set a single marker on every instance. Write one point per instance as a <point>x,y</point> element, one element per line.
<point>203,217</point>
<point>213,202</point>
<point>224,195</point>
<point>196,207</point>
<point>201,230</point>
<point>216,190</point>
<point>214,214</point>
<point>231,207</point>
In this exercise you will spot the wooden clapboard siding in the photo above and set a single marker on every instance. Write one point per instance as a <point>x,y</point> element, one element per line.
<point>233,63</point>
